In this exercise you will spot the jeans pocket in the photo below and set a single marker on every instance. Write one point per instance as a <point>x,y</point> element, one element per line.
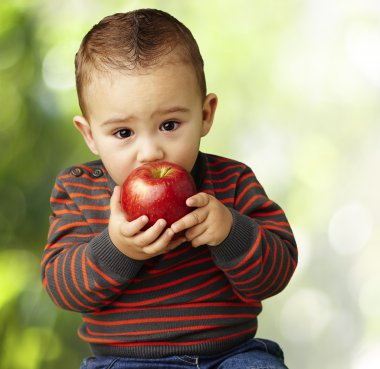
<point>99,362</point>
<point>272,348</point>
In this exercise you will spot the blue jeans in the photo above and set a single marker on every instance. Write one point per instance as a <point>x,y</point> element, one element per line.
<point>253,354</point>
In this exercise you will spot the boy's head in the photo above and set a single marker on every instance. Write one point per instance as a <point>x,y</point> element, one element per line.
<point>134,41</point>
<point>142,92</point>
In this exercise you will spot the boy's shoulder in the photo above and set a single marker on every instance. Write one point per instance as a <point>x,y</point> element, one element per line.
<point>91,170</point>
<point>226,178</point>
<point>217,161</point>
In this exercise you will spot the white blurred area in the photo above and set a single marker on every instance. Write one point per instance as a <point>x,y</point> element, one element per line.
<point>314,145</point>
<point>299,101</point>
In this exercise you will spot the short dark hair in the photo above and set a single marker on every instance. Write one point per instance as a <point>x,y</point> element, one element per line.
<point>134,40</point>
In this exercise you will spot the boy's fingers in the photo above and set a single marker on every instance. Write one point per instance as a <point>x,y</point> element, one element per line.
<point>151,234</point>
<point>174,243</point>
<point>195,231</point>
<point>160,244</point>
<point>188,221</point>
<point>198,200</point>
<point>199,241</point>
<point>129,229</point>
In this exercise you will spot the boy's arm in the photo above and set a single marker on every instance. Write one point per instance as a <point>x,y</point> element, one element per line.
<point>259,255</point>
<point>250,240</point>
<point>81,269</point>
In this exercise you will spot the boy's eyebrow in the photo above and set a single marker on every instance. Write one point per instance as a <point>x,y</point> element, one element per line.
<point>117,120</point>
<point>174,109</point>
<point>126,119</point>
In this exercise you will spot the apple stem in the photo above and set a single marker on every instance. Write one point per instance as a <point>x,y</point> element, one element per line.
<point>165,171</point>
<point>161,172</point>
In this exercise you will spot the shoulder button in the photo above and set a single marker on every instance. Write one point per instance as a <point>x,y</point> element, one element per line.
<point>97,173</point>
<point>76,172</point>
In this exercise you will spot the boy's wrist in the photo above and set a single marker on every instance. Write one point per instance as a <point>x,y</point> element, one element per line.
<point>109,256</point>
<point>239,240</point>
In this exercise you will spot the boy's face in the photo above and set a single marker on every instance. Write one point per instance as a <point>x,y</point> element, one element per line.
<point>153,115</point>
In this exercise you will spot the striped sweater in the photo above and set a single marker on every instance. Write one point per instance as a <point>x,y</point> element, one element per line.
<point>189,301</point>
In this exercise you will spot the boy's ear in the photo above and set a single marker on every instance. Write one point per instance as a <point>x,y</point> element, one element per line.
<point>209,107</point>
<point>85,129</point>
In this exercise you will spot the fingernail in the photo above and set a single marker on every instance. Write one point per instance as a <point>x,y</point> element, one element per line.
<point>189,202</point>
<point>144,219</point>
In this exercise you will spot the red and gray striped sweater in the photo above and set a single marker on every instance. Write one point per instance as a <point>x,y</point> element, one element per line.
<point>189,301</point>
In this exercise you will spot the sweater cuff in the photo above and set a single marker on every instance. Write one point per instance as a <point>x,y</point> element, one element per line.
<point>242,235</point>
<point>108,255</point>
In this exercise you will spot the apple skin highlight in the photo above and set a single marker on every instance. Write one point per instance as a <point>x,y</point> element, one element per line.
<point>158,190</point>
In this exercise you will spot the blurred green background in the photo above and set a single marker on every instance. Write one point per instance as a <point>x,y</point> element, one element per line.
<point>299,87</point>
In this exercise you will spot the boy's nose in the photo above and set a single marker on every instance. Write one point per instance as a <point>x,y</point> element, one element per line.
<point>149,152</point>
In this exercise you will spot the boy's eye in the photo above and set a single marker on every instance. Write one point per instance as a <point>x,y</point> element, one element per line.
<point>123,133</point>
<point>169,126</point>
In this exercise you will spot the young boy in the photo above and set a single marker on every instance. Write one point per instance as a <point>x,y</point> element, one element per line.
<point>149,299</point>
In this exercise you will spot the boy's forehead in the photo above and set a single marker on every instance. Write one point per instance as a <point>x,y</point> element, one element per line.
<point>167,83</point>
<point>110,78</point>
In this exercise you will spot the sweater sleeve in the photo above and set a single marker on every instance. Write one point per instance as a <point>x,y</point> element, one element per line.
<point>81,268</point>
<point>259,255</point>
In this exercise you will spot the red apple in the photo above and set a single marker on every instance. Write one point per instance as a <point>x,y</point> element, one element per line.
<point>158,190</point>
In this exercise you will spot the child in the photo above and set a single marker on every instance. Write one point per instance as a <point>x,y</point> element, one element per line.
<point>150,299</point>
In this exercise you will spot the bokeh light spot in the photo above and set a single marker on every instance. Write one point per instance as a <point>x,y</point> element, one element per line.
<point>305,315</point>
<point>363,47</point>
<point>350,228</point>
<point>369,297</point>
<point>368,357</point>
<point>58,66</point>
<point>16,271</point>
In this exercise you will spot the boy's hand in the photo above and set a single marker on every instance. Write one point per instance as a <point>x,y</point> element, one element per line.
<point>131,241</point>
<point>209,224</point>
